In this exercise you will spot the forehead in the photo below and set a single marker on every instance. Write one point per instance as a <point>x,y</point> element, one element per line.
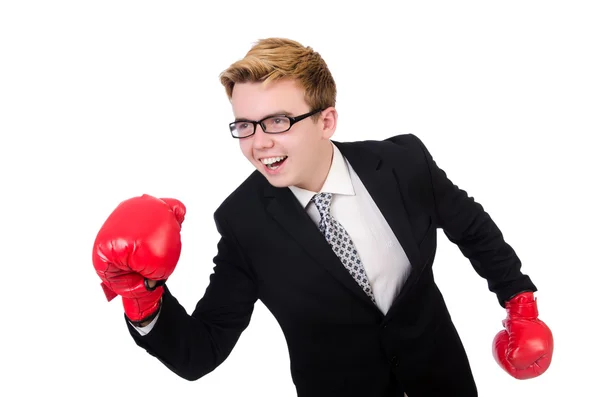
<point>257,100</point>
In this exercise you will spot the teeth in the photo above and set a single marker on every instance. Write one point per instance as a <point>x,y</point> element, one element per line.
<point>272,160</point>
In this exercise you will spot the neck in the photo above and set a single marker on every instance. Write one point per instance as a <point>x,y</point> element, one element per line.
<point>317,178</point>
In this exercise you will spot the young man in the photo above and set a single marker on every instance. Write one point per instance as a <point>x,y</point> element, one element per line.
<point>336,239</point>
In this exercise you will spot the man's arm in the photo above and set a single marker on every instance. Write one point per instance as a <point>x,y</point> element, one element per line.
<point>194,345</point>
<point>470,227</point>
<point>525,347</point>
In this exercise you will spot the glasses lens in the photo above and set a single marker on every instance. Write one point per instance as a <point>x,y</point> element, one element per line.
<point>276,124</point>
<point>241,128</point>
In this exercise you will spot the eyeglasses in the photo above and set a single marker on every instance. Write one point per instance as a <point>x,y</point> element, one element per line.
<point>270,125</point>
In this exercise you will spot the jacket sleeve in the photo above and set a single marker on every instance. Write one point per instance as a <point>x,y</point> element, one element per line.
<point>194,345</point>
<point>466,224</point>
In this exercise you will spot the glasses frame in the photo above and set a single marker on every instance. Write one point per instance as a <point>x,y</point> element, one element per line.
<point>293,120</point>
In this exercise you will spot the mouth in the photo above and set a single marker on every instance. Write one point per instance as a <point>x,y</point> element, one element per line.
<point>272,163</point>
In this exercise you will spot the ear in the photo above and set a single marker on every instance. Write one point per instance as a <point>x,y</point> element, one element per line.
<point>329,118</point>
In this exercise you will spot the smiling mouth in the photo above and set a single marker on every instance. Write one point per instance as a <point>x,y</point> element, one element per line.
<point>273,163</point>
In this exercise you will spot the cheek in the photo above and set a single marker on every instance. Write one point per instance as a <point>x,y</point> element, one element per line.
<point>246,148</point>
<point>306,147</point>
<point>303,142</point>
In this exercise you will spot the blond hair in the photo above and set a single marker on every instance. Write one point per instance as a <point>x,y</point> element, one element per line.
<point>273,59</point>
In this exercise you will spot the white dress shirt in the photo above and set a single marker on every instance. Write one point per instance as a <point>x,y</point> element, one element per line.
<point>384,259</point>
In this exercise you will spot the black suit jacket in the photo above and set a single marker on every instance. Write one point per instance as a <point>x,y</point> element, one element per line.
<point>339,343</point>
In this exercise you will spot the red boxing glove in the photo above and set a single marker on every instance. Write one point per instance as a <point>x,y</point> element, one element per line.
<point>524,349</point>
<point>139,241</point>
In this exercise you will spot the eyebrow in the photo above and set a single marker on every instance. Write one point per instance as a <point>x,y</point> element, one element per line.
<point>278,113</point>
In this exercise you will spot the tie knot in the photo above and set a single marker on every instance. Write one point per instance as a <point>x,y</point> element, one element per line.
<point>322,202</point>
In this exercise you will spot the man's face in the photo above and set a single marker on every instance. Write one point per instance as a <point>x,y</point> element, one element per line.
<point>297,157</point>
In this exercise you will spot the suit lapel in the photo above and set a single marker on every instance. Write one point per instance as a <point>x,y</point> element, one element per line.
<point>287,211</point>
<point>380,181</point>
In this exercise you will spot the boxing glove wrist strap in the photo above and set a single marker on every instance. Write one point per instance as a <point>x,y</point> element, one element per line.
<point>147,320</point>
<point>522,305</point>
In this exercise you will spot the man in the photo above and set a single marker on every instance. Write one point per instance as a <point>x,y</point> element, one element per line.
<point>336,239</point>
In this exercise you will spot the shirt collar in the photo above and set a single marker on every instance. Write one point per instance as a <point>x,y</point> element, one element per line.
<point>337,182</point>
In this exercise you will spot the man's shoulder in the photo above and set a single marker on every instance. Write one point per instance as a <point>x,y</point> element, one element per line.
<point>401,147</point>
<point>407,140</point>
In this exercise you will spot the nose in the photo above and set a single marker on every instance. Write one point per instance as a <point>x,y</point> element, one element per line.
<point>261,139</point>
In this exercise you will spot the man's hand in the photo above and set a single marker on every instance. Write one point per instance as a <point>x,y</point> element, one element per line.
<point>136,250</point>
<point>151,284</point>
<point>524,349</point>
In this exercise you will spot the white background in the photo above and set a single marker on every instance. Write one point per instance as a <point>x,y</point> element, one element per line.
<point>102,101</point>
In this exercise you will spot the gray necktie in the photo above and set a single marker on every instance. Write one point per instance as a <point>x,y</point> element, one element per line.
<point>340,242</point>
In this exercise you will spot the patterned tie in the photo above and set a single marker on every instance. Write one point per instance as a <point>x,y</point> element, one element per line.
<point>341,242</point>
